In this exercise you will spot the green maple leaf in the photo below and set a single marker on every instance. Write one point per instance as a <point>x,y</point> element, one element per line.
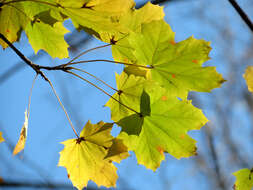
<point>176,66</point>
<point>160,128</point>
<point>1,137</point>
<point>132,21</point>
<point>88,158</point>
<point>49,38</point>
<point>161,121</point>
<point>244,179</point>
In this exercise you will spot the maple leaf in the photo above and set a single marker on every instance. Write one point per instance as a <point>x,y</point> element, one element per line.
<point>244,179</point>
<point>161,128</point>
<point>49,38</point>
<point>22,137</point>
<point>87,158</point>
<point>1,137</point>
<point>248,76</point>
<point>132,21</point>
<point>161,124</point>
<point>176,66</point>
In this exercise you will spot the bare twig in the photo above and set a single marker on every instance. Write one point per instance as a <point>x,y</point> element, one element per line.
<point>102,91</point>
<point>30,96</point>
<point>82,70</point>
<point>109,61</point>
<point>89,50</point>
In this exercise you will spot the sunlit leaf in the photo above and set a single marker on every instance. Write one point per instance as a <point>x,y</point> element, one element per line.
<point>85,158</point>
<point>132,21</point>
<point>22,137</point>
<point>244,179</point>
<point>249,77</point>
<point>176,66</point>
<point>49,38</point>
<point>164,129</point>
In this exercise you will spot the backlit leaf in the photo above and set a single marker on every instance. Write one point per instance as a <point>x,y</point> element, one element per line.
<point>244,179</point>
<point>164,130</point>
<point>176,66</point>
<point>22,137</point>
<point>49,38</point>
<point>85,158</point>
<point>132,21</point>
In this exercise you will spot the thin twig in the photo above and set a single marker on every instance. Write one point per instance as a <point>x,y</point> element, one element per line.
<point>243,15</point>
<point>89,50</point>
<point>102,91</point>
<point>82,70</point>
<point>63,108</point>
<point>110,61</point>
<point>30,96</point>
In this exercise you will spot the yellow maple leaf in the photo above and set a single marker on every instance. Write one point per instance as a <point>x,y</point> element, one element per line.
<point>86,158</point>
<point>22,138</point>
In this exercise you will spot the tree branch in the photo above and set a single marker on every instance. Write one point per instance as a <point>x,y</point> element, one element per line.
<point>21,55</point>
<point>243,15</point>
<point>16,184</point>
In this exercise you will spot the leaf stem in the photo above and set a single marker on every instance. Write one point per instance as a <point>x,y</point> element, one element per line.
<point>59,100</point>
<point>82,70</point>
<point>110,61</point>
<point>30,96</point>
<point>86,51</point>
<point>102,91</point>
